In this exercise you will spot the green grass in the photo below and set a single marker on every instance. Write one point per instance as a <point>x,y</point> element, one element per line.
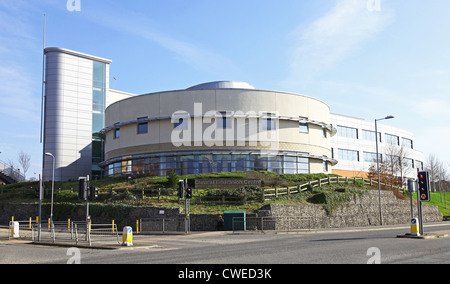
<point>436,200</point>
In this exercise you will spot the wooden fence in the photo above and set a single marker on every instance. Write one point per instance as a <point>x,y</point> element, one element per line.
<point>271,193</point>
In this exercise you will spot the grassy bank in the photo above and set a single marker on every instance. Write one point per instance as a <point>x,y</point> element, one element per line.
<point>439,200</point>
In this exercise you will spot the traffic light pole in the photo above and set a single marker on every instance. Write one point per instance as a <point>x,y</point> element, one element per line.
<point>88,218</point>
<point>187,206</point>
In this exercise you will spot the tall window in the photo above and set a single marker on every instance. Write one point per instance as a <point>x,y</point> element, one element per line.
<point>224,120</point>
<point>142,125</point>
<point>269,121</point>
<point>98,115</point>
<point>408,143</point>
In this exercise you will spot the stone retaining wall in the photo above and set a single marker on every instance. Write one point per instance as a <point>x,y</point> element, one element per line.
<point>362,211</point>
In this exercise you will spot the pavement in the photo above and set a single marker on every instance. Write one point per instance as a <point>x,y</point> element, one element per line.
<point>148,240</point>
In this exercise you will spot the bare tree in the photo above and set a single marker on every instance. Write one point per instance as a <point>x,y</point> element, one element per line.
<point>24,161</point>
<point>431,166</point>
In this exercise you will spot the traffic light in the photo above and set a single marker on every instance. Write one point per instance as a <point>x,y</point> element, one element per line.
<point>180,193</point>
<point>424,186</point>
<point>82,190</point>
<point>93,193</point>
<point>188,193</point>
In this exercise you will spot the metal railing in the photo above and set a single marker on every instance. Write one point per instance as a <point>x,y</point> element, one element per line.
<point>12,173</point>
<point>66,231</point>
<point>162,225</point>
<point>273,223</point>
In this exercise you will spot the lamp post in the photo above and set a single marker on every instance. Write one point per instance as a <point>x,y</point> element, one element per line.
<point>378,165</point>
<point>53,186</point>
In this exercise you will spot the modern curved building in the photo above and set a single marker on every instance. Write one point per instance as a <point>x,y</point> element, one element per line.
<point>222,126</point>
<point>218,127</point>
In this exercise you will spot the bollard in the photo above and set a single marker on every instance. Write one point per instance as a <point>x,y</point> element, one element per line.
<point>415,227</point>
<point>68,225</point>
<point>127,236</point>
<point>137,226</point>
<point>113,226</point>
<point>30,224</point>
<point>15,230</point>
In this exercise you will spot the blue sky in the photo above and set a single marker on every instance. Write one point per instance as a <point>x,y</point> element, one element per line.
<point>390,57</point>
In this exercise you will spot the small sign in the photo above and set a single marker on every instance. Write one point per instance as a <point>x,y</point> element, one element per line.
<point>161,212</point>
<point>225,183</point>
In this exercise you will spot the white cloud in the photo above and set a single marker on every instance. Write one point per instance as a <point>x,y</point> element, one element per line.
<point>333,37</point>
<point>140,25</point>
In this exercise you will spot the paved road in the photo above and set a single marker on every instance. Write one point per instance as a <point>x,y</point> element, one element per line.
<point>332,247</point>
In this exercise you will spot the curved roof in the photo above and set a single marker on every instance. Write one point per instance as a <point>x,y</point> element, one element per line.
<point>222,85</point>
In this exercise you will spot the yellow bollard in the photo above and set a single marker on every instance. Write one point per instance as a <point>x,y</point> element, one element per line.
<point>30,223</point>
<point>127,237</point>
<point>37,219</point>
<point>137,226</point>
<point>12,219</point>
<point>113,226</point>
<point>68,225</point>
<point>49,223</point>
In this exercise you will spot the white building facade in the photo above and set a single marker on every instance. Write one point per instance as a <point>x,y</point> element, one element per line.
<point>93,130</point>
<point>76,96</point>
<point>354,146</point>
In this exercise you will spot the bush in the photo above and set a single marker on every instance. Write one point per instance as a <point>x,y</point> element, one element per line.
<point>172,179</point>
<point>241,195</point>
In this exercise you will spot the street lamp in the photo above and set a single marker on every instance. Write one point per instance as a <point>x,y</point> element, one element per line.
<point>53,186</point>
<point>378,164</point>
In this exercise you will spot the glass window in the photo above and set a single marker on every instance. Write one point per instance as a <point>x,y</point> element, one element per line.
<point>303,127</point>
<point>224,120</point>
<point>408,143</point>
<point>372,157</point>
<point>99,71</point>
<point>348,155</point>
<point>268,121</point>
<point>392,139</point>
<point>370,135</point>
<point>142,126</point>
<point>117,133</point>
<point>347,132</point>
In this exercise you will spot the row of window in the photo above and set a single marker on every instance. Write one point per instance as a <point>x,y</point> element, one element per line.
<point>210,163</point>
<point>369,135</point>
<point>353,155</point>
<point>223,122</point>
